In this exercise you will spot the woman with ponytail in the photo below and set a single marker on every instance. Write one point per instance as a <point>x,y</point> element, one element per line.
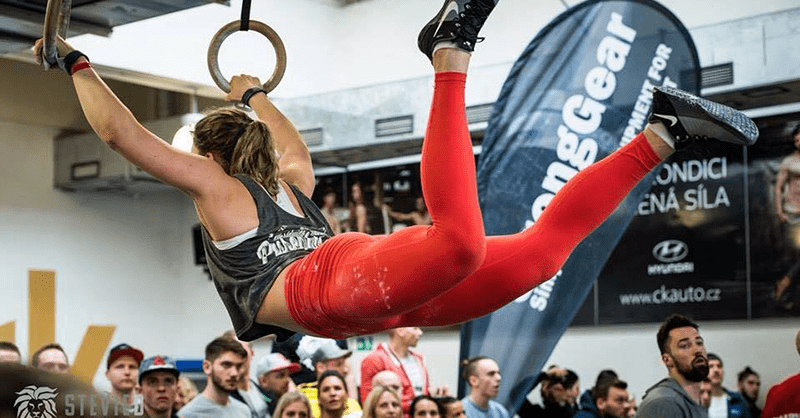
<point>274,260</point>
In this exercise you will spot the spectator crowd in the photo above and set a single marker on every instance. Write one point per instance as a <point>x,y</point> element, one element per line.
<point>309,377</point>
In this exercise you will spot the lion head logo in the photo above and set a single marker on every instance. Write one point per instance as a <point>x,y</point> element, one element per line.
<point>36,402</point>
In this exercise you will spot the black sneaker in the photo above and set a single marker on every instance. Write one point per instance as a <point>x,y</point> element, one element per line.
<point>458,21</point>
<point>691,119</point>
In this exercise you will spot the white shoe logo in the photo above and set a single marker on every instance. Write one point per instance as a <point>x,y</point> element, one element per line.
<point>672,119</point>
<point>451,7</point>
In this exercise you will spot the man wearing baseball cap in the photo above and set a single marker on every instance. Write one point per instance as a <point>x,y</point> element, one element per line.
<point>158,378</point>
<point>322,354</point>
<point>272,372</point>
<point>122,371</point>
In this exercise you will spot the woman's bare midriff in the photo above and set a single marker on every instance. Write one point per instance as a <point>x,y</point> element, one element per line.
<point>273,309</point>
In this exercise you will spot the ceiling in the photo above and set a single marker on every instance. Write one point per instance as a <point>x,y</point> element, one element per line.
<point>759,96</point>
<point>21,21</point>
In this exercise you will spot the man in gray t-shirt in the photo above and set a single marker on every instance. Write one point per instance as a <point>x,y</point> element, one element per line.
<point>223,366</point>
<point>202,406</point>
<point>483,376</point>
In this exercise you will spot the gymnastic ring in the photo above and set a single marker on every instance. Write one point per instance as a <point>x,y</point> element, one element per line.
<point>56,22</point>
<point>235,26</point>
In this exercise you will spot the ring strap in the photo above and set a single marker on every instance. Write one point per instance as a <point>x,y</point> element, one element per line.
<point>245,19</point>
<point>70,59</point>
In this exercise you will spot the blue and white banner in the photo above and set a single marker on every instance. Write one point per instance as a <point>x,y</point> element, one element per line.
<point>580,90</point>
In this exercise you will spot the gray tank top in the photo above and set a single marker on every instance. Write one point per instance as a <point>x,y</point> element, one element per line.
<point>245,273</point>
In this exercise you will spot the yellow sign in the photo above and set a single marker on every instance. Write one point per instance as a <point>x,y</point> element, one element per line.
<point>42,326</point>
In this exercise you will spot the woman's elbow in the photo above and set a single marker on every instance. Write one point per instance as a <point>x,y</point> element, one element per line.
<point>115,134</point>
<point>107,133</point>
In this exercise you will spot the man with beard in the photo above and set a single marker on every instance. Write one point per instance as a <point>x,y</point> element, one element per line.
<point>247,390</point>
<point>749,384</point>
<point>223,366</point>
<point>783,399</point>
<point>684,354</point>
<point>724,403</point>
<point>483,377</point>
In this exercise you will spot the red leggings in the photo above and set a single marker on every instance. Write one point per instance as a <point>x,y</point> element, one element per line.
<point>450,272</point>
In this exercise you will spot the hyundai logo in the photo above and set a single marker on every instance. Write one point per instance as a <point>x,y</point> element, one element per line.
<point>670,251</point>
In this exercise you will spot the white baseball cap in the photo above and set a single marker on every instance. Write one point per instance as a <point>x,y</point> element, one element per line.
<point>273,362</point>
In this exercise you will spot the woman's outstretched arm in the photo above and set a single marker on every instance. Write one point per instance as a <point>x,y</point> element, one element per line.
<point>118,128</point>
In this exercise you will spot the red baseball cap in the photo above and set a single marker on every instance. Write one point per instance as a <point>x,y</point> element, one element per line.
<point>124,350</point>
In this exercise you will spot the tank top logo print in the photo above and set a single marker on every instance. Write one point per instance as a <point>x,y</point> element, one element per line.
<point>287,240</point>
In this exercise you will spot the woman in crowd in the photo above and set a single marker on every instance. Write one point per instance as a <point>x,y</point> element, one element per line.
<point>187,390</point>
<point>358,220</point>
<point>328,210</point>
<point>292,404</point>
<point>425,406</point>
<point>382,402</point>
<point>332,395</point>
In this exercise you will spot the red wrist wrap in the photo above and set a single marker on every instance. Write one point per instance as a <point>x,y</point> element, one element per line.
<point>80,66</point>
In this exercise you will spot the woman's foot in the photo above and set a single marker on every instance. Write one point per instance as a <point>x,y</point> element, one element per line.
<point>455,26</point>
<point>689,119</point>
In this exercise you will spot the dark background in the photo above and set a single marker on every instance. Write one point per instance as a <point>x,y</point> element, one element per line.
<point>741,249</point>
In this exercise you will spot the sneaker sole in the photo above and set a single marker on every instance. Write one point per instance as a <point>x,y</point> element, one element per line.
<point>731,125</point>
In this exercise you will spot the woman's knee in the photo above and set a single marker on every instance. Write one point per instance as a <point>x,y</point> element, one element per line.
<point>466,253</point>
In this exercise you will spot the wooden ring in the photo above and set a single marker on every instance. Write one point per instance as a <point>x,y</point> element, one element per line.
<point>262,28</point>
